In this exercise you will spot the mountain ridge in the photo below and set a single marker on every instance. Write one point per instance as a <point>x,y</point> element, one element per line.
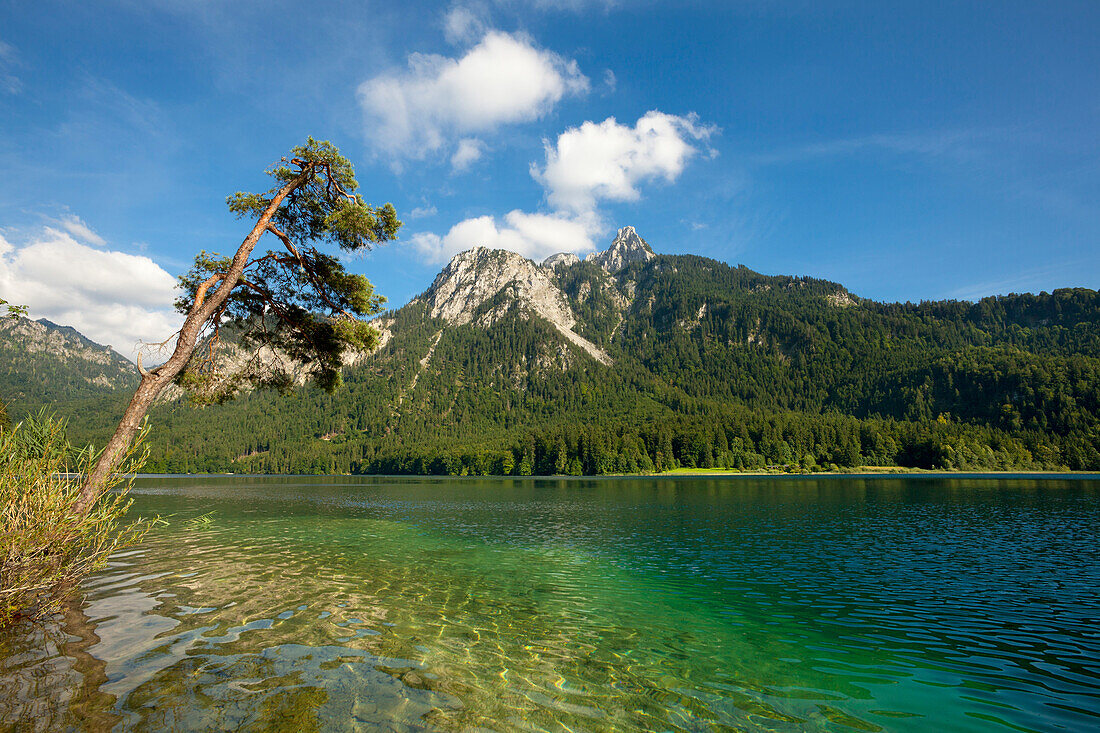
<point>482,285</point>
<point>707,365</point>
<point>48,362</point>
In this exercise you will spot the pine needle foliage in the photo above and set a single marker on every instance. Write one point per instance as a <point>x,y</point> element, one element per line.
<point>296,304</point>
<point>12,311</point>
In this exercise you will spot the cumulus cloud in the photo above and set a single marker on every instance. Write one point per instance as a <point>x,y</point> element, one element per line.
<point>535,236</point>
<point>468,152</point>
<point>607,160</point>
<point>595,162</point>
<point>111,297</point>
<point>504,79</point>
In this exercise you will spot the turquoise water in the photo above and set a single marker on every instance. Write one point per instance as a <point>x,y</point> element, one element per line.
<point>756,604</point>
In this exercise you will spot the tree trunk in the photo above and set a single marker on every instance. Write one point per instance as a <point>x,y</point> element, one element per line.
<point>155,380</point>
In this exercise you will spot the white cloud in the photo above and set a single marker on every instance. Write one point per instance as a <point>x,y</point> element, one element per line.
<point>469,151</point>
<point>421,212</point>
<point>607,161</point>
<point>76,227</point>
<point>9,82</point>
<point>609,81</point>
<point>504,79</point>
<point>111,297</point>
<point>535,236</point>
<point>588,164</point>
<point>463,25</point>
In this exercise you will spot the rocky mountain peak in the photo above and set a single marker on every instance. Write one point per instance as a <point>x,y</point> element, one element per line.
<point>561,259</point>
<point>477,275</point>
<point>628,247</point>
<point>462,292</point>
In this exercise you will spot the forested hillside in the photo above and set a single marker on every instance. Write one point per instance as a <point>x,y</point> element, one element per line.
<point>706,365</point>
<point>42,363</point>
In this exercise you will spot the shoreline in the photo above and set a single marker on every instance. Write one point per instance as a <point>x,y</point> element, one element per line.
<point>860,471</point>
<point>865,471</point>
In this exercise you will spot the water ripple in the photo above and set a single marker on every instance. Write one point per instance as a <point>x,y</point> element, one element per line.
<point>778,605</point>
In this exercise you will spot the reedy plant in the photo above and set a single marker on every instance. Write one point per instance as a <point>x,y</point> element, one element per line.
<point>45,546</point>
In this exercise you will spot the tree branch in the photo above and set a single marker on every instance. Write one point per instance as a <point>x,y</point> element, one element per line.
<point>200,292</point>
<point>271,301</point>
<point>320,287</point>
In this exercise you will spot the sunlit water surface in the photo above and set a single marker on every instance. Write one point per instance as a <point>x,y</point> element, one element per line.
<point>772,604</point>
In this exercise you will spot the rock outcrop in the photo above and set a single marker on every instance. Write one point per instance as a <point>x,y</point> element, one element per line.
<point>561,259</point>
<point>476,276</point>
<point>628,247</point>
<point>482,286</point>
<point>841,299</point>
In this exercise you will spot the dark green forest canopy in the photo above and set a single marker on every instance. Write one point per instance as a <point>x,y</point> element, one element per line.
<point>714,366</point>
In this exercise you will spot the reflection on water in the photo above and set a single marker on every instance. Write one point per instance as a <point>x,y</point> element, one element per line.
<point>736,604</point>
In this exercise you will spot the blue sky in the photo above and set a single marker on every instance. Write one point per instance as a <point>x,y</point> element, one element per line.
<point>909,150</point>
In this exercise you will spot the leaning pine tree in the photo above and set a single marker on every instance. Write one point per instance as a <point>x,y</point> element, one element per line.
<point>295,302</point>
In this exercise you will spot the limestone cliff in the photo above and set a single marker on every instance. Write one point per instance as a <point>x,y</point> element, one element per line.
<point>481,286</point>
<point>628,247</point>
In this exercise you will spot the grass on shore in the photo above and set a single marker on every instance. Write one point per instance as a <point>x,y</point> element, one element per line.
<point>45,546</point>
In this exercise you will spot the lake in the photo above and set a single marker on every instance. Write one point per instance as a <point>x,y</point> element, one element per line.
<point>693,604</point>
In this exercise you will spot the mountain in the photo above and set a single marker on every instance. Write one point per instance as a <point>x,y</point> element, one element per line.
<point>627,248</point>
<point>43,363</point>
<point>632,361</point>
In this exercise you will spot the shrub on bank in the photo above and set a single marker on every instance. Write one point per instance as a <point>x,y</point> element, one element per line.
<point>46,547</point>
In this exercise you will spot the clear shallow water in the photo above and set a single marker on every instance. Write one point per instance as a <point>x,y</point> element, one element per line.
<point>774,604</point>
